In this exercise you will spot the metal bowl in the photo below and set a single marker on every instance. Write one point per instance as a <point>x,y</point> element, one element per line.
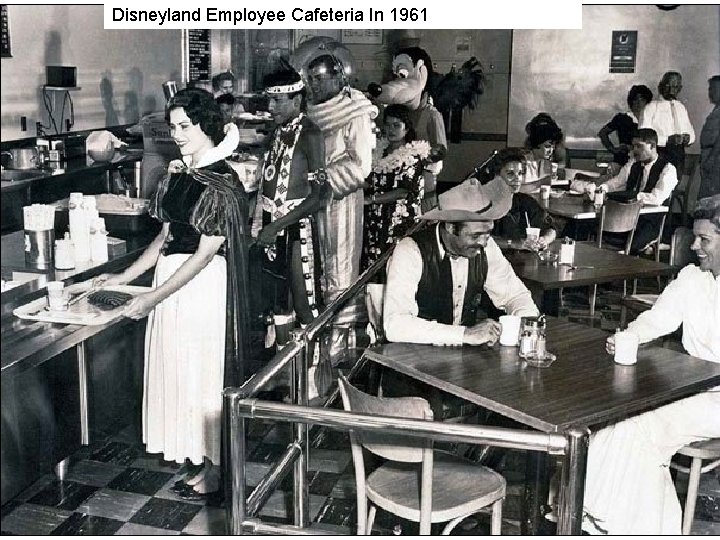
<point>106,154</point>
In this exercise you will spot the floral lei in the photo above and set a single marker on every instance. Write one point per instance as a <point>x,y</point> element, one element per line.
<point>405,156</point>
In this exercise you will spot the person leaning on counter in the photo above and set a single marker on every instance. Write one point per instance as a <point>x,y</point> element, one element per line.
<point>437,276</point>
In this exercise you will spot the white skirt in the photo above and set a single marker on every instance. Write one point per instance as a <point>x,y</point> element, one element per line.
<point>184,364</point>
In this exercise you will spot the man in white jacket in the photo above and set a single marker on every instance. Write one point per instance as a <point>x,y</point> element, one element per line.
<point>629,489</point>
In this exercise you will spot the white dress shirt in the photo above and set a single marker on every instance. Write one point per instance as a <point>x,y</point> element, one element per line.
<point>693,300</point>
<point>658,115</point>
<point>405,269</point>
<point>659,194</point>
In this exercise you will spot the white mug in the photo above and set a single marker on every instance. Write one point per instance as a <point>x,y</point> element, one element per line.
<point>626,347</point>
<point>510,330</point>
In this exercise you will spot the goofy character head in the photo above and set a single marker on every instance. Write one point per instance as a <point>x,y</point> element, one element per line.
<point>411,67</point>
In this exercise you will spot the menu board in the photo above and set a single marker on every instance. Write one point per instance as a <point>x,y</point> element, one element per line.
<point>198,55</point>
<point>5,28</point>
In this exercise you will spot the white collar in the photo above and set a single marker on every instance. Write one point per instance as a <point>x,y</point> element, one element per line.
<point>441,248</point>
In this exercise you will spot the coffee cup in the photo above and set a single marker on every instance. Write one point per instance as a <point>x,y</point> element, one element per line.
<point>545,192</point>
<point>626,347</point>
<point>533,234</point>
<point>56,299</point>
<point>510,330</point>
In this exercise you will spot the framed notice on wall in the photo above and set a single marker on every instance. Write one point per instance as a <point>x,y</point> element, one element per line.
<point>198,55</point>
<point>5,28</point>
<point>362,36</point>
<point>623,51</point>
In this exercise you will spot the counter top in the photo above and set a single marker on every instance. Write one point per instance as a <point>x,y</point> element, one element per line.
<point>26,344</point>
<point>74,166</point>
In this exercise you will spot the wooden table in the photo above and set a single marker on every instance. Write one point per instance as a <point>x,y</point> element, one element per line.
<point>607,266</point>
<point>573,206</point>
<point>582,389</point>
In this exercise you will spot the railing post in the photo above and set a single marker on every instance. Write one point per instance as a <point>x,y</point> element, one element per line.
<point>234,463</point>
<point>573,482</point>
<point>301,500</point>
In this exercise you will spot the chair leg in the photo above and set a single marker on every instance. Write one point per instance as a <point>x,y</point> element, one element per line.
<point>496,518</point>
<point>593,295</point>
<point>451,525</point>
<point>370,519</point>
<point>693,485</point>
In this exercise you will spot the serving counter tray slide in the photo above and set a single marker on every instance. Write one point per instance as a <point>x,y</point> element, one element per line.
<point>81,312</point>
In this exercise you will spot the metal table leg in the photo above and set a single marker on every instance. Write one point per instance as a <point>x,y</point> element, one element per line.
<point>536,492</point>
<point>572,490</point>
<point>83,383</point>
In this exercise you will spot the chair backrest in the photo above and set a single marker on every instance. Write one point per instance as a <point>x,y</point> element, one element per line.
<point>395,448</point>
<point>618,217</point>
<point>680,253</point>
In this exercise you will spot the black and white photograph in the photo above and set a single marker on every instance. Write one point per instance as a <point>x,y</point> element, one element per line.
<point>298,268</point>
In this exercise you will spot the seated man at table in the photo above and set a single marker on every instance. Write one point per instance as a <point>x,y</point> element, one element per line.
<point>629,489</point>
<point>436,278</point>
<point>649,178</point>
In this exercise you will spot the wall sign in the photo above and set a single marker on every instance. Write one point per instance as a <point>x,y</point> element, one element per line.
<point>362,36</point>
<point>5,51</point>
<point>623,51</point>
<point>198,55</point>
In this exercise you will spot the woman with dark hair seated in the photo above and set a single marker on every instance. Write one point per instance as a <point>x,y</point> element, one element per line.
<point>394,188</point>
<point>545,144</point>
<point>197,309</point>
<point>508,167</point>
<point>624,124</point>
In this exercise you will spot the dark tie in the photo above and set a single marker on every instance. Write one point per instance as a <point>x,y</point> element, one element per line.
<point>445,294</point>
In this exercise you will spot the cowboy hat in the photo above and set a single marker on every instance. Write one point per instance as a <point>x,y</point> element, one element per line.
<point>472,201</point>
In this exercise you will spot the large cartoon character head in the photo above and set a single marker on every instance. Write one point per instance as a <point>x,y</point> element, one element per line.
<point>411,67</point>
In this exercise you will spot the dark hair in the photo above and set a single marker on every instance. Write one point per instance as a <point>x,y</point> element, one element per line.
<point>284,77</point>
<point>418,53</point>
<point>542,128</point>
<point>639,90</point>
<point>503,157</point>
<point>225,99</point>
<point>647,135</point>
<point>201,108</point>
<point>402,113</point>
<point>714,79</point>
<point>220,77</point>
<point>709,208</point>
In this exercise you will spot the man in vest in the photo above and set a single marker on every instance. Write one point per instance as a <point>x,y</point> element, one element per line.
<point>649,178</point>
<point>436,277</point>
<point>669,118</point>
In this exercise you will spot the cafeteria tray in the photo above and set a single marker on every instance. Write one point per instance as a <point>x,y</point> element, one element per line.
<point>81,312</point>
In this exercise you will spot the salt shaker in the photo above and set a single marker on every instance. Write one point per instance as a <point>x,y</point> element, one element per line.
<point>567,251</point>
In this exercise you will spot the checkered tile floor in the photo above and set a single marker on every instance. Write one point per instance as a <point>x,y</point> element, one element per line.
<point>114,487</point>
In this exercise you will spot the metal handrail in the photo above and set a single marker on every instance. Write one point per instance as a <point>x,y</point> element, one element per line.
<point>552,443</point>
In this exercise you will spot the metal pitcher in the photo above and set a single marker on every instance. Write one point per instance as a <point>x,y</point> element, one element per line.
<point>23,158</point>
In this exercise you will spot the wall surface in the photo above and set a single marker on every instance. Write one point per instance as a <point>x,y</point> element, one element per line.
<point>566,73</point>
<point>120,71</point>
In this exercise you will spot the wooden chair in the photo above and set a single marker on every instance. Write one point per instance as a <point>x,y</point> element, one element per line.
<point>680,256</point>
<point>615,217</point>
<point>698,451</point>
<point>444,488</point>
<point>682,196</point>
